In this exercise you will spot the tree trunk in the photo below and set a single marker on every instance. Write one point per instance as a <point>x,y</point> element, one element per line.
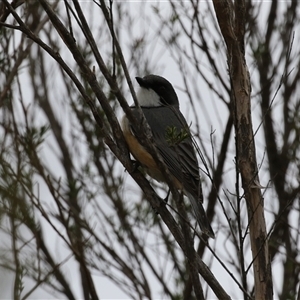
<point>233,32</point>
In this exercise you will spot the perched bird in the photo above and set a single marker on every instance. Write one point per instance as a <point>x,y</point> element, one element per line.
<point>172,137</point>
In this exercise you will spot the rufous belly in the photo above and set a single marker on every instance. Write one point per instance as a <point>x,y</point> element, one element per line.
<point>142,156</point>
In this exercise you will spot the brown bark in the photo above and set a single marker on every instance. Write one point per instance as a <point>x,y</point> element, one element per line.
<point>232,30</point>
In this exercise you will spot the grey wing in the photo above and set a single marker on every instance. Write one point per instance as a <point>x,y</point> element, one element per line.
<point>179,157</point>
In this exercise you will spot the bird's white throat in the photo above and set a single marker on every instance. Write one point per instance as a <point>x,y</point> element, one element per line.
<point>148,97</point>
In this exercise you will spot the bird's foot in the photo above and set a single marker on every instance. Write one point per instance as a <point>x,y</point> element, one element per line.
<point>164,201</point>
<point>167,197</point>
<point>136,164</point>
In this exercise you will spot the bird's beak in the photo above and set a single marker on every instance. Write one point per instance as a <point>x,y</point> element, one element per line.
<point>141,82</point>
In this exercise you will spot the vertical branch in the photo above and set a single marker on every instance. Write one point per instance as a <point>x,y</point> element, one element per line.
<point>232,30</point>
<point>17,287</point>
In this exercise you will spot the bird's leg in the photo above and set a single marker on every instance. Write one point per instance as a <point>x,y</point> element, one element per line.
<point>136,164</point>
<point>167,197</point>
<point>164,201</point>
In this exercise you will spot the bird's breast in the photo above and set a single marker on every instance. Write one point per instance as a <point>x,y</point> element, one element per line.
<point>142,155</point>
<point>139,152</point>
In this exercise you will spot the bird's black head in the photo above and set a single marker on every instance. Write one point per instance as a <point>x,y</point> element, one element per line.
<point>162,87</point>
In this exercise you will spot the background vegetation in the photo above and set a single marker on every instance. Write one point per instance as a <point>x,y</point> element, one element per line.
<point>77,219</point>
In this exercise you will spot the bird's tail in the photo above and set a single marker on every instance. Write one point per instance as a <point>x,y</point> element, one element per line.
<point>201,216</point>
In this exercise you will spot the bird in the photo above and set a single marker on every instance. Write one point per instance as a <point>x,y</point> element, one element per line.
<point>173,140</point>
